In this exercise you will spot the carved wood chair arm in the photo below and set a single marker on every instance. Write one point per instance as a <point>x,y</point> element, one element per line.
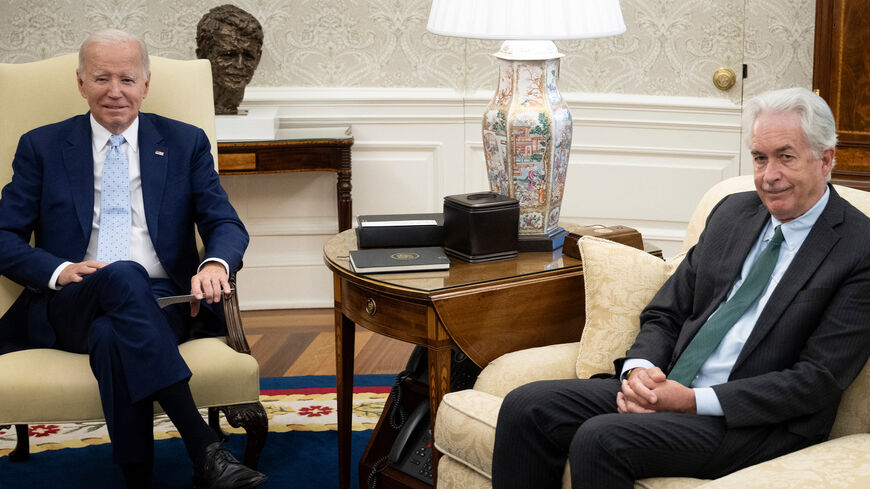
<point>233,316</point>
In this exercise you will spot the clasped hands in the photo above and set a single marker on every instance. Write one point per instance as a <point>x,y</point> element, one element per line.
<point>209,283</point>
<point>648,390</point>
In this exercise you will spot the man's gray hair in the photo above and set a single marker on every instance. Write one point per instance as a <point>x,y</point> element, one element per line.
<point>817,121</point>
<point>114,36</point>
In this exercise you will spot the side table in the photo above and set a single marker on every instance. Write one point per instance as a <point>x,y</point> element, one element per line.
<point>486,309</point>
<point>296,150</point>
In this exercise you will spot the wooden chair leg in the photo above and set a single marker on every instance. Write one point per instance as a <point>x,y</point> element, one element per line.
<point>252,418</point>
<point>22,444</point>
<point>214,420</point>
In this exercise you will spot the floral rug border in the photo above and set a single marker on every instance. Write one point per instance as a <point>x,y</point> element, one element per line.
<point>286,412</point>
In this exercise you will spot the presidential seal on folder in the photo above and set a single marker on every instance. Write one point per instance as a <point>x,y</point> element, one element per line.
<point>399,259</point>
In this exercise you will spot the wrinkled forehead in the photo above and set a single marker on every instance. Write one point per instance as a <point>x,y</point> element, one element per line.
<point>120,58</point>
<point>781,128</point>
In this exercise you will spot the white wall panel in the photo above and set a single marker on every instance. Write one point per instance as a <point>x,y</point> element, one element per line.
<point>476,178</point>
<point>397,177</point>
<point>648,190</point>
<point>283,269</point>
<point>292,194</point>
<point>285,287</point>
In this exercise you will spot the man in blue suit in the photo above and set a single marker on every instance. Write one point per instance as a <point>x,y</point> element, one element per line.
<point>101,255</point>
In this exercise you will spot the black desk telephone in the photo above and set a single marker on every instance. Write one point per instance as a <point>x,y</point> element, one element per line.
<point>411,452</point>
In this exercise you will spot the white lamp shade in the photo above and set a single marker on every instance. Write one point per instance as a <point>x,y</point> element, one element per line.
<point>526,19</point>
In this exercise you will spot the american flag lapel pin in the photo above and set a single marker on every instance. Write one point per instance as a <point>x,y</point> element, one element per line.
<point>159,153</point>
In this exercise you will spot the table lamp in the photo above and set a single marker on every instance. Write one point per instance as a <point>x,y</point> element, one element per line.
<point>527,126</point>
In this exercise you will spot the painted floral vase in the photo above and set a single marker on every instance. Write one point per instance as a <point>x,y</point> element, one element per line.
<point>527,133</point>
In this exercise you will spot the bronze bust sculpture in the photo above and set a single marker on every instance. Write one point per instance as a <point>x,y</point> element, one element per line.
<point>232,40</point>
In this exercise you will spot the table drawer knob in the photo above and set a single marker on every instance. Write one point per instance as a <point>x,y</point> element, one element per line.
<point>371,306</point>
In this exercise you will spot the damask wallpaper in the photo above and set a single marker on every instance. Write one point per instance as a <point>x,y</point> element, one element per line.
<point>671,47</point>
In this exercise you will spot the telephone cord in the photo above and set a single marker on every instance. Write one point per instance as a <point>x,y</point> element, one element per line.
<point>398,410</point>
<point>377,467</point>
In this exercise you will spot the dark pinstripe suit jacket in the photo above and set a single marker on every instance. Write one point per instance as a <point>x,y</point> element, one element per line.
<point>813,336</point>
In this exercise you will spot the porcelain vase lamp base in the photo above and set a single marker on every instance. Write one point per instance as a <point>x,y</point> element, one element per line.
<point>527,132</point>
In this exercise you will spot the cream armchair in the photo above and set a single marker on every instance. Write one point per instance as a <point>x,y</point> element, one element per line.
<point>51,386</point>
<point>619,283</point>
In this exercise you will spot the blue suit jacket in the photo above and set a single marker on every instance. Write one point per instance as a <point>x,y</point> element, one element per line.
<point>51,196</point>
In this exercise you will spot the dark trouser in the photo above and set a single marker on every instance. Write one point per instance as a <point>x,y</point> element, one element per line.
<point>543,423</point>
<point>112,315</point>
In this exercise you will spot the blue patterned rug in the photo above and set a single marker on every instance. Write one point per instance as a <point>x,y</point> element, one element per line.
<point>300,452</point>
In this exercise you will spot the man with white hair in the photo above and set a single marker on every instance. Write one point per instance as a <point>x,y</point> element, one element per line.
<point>743,354</point>
<point>112,198</point>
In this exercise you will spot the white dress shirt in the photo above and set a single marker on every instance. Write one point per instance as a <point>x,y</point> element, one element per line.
<point>141,248</point>
<point>717,368</point>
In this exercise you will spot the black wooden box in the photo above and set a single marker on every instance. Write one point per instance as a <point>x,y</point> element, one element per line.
<point>481,226</point>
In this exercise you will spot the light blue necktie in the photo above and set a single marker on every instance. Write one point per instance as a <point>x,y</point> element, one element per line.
<point>113,243</point>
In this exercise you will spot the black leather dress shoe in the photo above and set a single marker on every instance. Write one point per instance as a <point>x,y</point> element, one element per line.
<point>218,469</point>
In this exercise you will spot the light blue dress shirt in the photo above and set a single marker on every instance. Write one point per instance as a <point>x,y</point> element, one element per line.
<point>717,368</point>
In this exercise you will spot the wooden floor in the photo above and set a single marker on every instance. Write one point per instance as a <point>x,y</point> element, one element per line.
<point>302,342</point>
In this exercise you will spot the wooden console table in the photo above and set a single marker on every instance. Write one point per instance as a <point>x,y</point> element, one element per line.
<point>487,309</point>
<point>296,150</point>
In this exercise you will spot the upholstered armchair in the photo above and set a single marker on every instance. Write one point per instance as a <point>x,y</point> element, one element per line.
<point>619,283</point>
<point>51,386</point>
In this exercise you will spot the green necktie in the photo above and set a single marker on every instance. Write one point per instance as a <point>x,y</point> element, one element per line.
<point>707,339</point>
